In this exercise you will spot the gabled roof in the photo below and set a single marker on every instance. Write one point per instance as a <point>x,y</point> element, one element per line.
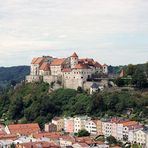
<point>8,137</point>
<point>45,67</point>
<point>24,129</point>
<point>33,60</point>
<point>98,65</point>
<point>38,60</point>
<point>42,144</point>
<point>66,70</point>
<point>81,66</point>
<point>57,62</point>
<point>74,55</point>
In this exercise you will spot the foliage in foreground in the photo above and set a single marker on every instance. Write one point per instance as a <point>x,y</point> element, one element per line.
<point>33,103</point>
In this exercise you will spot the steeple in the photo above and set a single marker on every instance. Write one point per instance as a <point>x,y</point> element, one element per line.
<point>74,55</point>
<point>74,60</point>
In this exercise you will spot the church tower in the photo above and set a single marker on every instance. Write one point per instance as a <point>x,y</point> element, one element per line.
<point>74,60</point>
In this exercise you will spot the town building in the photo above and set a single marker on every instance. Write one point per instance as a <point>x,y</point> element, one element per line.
<point>91,126</point>
<point>69,125</point>
<point>59,122</point>
<point>120,128</point>
<point>50,127</point>
<point>79,123</point>
<point>141,137</point>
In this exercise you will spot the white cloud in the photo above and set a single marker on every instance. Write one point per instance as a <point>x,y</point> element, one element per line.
<point>31,26</point>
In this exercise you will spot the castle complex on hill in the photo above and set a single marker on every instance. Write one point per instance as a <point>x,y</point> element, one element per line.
<point>70,72</point>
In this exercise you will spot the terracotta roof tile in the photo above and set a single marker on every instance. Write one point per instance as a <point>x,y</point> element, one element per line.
<point>38,60</point>
<point>33,60</point>
<point>48,135</point>
<point>68,138</point>
<point>96,64</point>
<point>129,123</point>
<point>82,66</point>
<point>57,62</point>
<point>67,70</point>
<point>8,136</point>
<point>24,129</point>
<point>45,67</point>
<point>42,144</point>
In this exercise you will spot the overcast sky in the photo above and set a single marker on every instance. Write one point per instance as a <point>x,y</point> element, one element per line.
<point>110,31</point>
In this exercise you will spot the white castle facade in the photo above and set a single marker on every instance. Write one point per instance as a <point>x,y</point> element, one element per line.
<point>70,72</point>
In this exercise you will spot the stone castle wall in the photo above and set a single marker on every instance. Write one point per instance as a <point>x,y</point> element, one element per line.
<point>73,83</point>
<point>31,78</point>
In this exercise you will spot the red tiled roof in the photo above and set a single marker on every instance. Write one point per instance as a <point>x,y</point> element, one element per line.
<point>38,60</point>
<point>66,70</point>
<point>86,140</point>
<point>82,66</point>
<point>74,55</point>
<point>2,132</point>
<point>8,136</point>
<point>45,67</point>
<point>57,62</point>
<point>68,138</point>
<point>86,60</point>
<point>33,60</point>
<point>129,123</point>
<point>48,135</point>
<point>42,144</point>
<point>96,64</point>
<point>24,129</point>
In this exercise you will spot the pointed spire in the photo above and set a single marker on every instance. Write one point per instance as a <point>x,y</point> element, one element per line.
<point>74,55</point>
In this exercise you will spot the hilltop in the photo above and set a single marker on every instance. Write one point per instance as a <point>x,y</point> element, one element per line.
<point>34,103</point>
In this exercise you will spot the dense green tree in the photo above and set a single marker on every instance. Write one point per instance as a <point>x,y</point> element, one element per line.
<point>139,78</point>
<point>33,103</point>
<point>16,108</point>
<point>120,82</point>
<point>97,103</point>
<point>111,140</point>
<point>83,133</point>
<point>146,69</point>
<point>131,69</point>
<point>135,145</point>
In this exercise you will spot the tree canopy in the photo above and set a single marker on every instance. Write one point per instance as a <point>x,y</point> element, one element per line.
<point>34,103</point>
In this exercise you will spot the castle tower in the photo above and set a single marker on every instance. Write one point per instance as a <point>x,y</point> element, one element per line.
<point>74,60</point>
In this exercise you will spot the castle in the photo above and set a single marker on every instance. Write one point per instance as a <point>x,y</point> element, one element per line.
<point>70,72</point>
